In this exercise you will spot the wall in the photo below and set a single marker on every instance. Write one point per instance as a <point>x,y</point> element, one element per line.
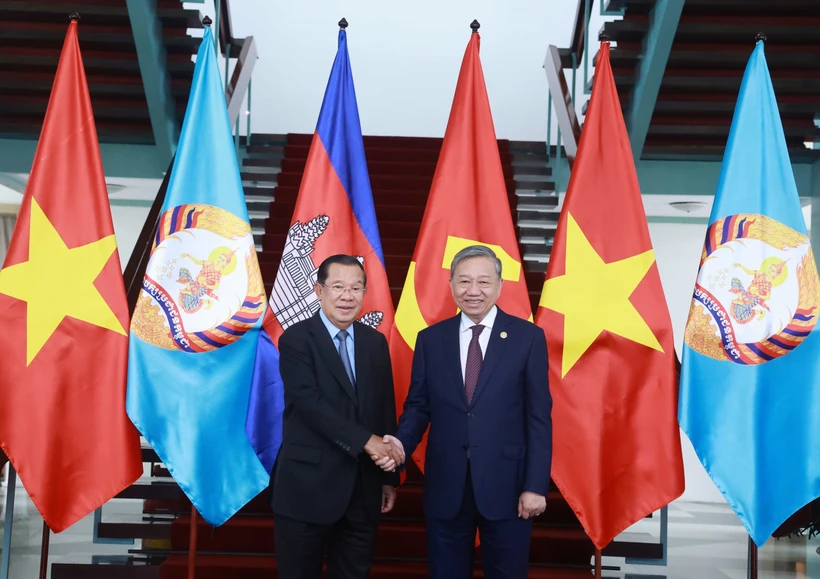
<point>677,251</point>
<point>405,59</point>
<point>128,222</point>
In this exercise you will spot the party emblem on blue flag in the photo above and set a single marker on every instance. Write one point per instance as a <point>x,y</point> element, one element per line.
<point>204,286</point>
<point>757,292</point>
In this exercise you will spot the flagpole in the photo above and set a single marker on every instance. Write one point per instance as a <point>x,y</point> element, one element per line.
<point>11,487</point>
<point>751,563</point>
<point>192,545</point>
<point>597,564</point>
<point>44,551</point>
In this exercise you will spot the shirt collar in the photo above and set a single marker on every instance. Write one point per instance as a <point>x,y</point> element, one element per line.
<point>332,329</point>
<point>487,322</point>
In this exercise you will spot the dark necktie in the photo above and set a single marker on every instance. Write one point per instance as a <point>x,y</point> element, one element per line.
<point>342,335</point>
<point>473,367</point>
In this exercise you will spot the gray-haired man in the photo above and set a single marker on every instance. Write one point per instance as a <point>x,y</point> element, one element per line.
<point>479,381</point>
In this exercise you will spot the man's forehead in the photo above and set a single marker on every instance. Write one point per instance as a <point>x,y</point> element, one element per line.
<point>340,272</point>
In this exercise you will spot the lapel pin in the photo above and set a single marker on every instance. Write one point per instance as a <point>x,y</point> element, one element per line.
<point>503,335</point>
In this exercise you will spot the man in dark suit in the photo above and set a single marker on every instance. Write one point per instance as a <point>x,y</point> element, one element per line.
<point>339,403</point>
<point>479,380</point>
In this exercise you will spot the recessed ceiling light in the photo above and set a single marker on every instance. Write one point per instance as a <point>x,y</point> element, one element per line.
<point>688,206</point>
<point>113,187</point>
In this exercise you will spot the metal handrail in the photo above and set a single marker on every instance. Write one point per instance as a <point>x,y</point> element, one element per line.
<point>568,126</point>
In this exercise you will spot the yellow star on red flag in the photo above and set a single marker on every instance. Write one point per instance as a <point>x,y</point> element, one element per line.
<point>58,282</point>
<point>594,297</point>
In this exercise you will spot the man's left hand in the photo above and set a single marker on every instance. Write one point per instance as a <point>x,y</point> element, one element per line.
<point>531,504</point>
<point>388,498</point>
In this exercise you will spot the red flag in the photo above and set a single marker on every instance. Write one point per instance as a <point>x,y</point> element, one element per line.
<point>616,451</point>
<point>64,315</point>
<point>468,205</point>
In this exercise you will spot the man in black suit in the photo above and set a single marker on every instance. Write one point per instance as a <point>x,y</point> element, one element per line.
<point>327,491</point>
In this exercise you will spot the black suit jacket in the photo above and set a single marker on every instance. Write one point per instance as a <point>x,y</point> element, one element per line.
<point>327,422</point>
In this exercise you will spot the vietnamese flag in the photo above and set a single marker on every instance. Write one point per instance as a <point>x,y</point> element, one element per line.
<point>64,320</point>
<point>468,205</point>
<point>617,453</point>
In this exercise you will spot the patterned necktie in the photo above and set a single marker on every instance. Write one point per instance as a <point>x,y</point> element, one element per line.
<point>342,335</point>
<point>474,361</point>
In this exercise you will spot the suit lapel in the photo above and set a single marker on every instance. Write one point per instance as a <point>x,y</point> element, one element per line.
<point>451,344</point>
<point>362,353</point>
<point>327,348</point>
<point>495,352</point>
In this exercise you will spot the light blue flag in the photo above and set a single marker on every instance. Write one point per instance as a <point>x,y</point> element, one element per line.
<point>750,381</point>
<point>196,325</point>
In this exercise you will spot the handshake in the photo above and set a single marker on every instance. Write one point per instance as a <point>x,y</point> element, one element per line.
<point>387,452</point>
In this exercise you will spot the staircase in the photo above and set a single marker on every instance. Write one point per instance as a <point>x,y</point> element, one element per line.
<point>31,38</point>
<point>401,172</point>
<point>712,44</point>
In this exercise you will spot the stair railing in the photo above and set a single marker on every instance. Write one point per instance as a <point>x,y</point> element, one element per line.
<point>556,60</point>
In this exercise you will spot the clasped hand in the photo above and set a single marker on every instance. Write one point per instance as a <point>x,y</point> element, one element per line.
<point>387,452</point>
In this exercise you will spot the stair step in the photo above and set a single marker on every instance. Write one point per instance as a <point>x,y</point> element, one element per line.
<point>534,169</point>
<point>405,213</point>
<point>266,159</point>
<point>265,139</point>
<point>256,177</point>
<point>529,160</point>
<point>406,540</point>
<point>534,214</point>
<point>419,183</point>
<point>389,245</point>
<point>257,190</point>
<point>414,169</point>
<point>525,185</point>
<point>389,142</point>
<point>532,198</point>
<point>220,567</point>
<point>387,155</point>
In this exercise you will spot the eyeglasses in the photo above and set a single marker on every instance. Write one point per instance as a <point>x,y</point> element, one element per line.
<point>339,289</point>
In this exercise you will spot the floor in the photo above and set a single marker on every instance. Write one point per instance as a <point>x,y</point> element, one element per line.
<point>705,542</point>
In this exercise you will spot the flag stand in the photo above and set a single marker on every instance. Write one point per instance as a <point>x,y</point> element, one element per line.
<point>44,551</point>
<point>11,488</point>
<point>192,545</point>
<point>751,563</point>
<point>597,564</point>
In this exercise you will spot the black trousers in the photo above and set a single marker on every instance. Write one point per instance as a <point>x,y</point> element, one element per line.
<point>505,544</point>
<point>348,544</point>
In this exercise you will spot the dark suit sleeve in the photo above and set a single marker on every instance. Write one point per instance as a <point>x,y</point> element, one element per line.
<point>301,389</point>
<point>415,416</point>
<point>539,420</point>
<point>389,478</point>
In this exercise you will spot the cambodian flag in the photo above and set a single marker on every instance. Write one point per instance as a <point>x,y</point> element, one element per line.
<point>334,214</point>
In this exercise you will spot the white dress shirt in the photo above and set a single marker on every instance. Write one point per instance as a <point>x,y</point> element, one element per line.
<point>465,334</point>
<point>351,340</point>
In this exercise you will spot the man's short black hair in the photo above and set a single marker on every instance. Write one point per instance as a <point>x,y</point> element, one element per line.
<point>341,259</point>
